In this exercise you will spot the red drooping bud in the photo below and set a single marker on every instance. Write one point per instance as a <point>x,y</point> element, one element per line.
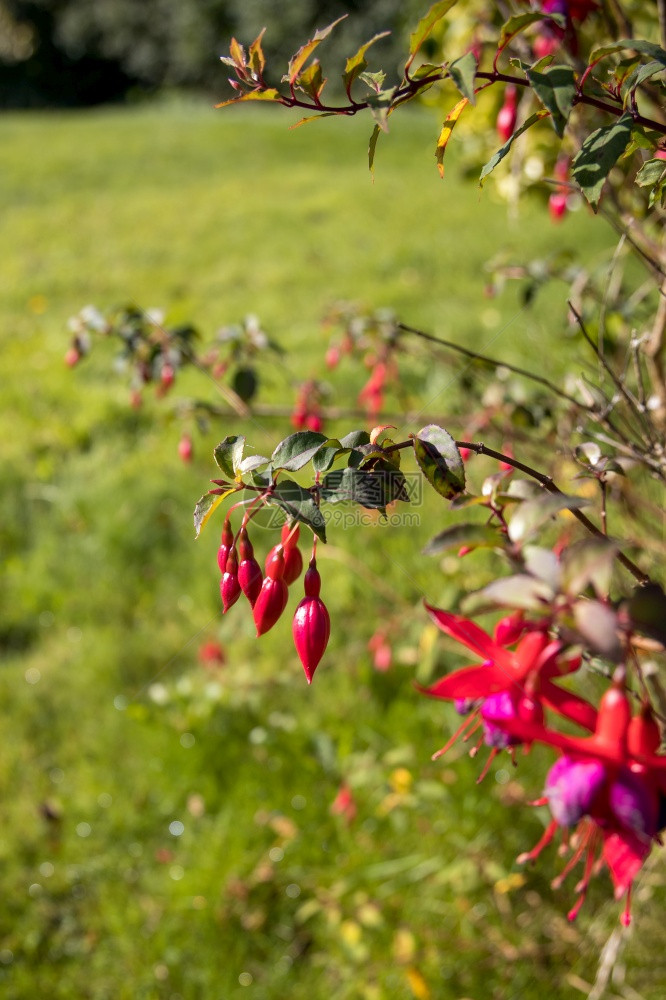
<point>311,626</point>
<point>613,720</point>
<point>508,113</point>
<point>167,376</point>
<point>249,571</point>
<point>229,586</point>
<point>557,206</point>
<point>72,357</point>
<point>332,357</point>
<point>509,629</point>
<point>293,560</point>
<point>226,546</point>
<point>185,449</point>
<point>274,593</point>
<point>313,422</point>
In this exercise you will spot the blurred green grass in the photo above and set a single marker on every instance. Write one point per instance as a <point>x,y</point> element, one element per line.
<point>167,829</point>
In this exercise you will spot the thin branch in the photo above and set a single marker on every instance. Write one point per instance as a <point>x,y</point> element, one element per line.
<point>475,356</point>
<point>550,487</point>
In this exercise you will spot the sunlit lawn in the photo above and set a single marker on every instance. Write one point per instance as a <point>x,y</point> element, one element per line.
<point>166,828</point>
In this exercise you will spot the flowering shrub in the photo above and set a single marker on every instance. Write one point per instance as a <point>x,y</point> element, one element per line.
<point>576,81</point>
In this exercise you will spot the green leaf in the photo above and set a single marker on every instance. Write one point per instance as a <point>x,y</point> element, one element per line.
<point>519,22</point>
<point>650,49</point>
<point>311,80</point>
<point>327,454</point>
<point>373,490</point>
<point>647,611</point>
<point>426,25</point>
<point>297,450</point>
<point>229,454</point>
<point>299,505</point>
<point>297,61</point>
<point>588,562</point>
<point>245,383</point>
<point>356,64</point>
<point>653,172</point>
<point>598,155</point>
<point>206,506</point>
<point>597,623</point>
<point>472,536</point>
<point>501,153</point>
<point>532,514</point>
<point>639,75</point>
<point>463,73</point>
<point>355,439</point>
<point>439,459</point>
<point>252,462</point>
<point>372,147</point>
<point>556,89</point>
<point>519,591</point>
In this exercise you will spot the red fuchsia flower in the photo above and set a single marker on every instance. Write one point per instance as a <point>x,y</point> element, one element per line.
<point>311,626</point>
<point>610,786</point>
<point>227,543</point>
<point>211,654</point>
<point>250,576</point>
<point>507,684</point>
<point>344,804</point>
<point>230,589</point>
<point>508,114</point>
<point>293,559</point>
<point>382,654</point>
<point>185,448</point>
<point>273,596</point>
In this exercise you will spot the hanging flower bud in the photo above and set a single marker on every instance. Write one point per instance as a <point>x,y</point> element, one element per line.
<point>508,113</point>
<point>249,571</point>
<point>293,560</point>
<point>311,626</point>
<point>229,586</point>
<point>226,546</point>
<point>273,595</point>
<point>185,448</point>
<point>557,206</point>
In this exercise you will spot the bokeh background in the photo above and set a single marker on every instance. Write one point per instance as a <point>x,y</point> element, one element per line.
<point>181,827</point>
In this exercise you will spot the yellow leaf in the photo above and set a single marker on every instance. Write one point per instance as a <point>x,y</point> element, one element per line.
<point>417,984</point>
<point>445,134</point>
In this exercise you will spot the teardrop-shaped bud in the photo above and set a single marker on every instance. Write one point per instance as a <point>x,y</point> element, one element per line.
<point>293,565</point>
<point>274,564</point>
<point>311,629</point>
<point>250,579</point>
<point>290,535</point>
<point>312,580</point>
<point>225,547</point>
<point>229,586</point>
<point>270,604</point>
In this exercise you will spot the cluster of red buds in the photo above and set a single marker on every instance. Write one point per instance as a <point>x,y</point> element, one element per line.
<point>268,591</point>
<point>307,409</point>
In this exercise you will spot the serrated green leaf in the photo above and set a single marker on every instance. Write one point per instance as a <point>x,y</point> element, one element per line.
<point>439,459</point>
<point>501,153</point>
<point>252,462</point>
<point>426,25</point>
<point>356,64</point>
<point>472,536</point>
<point>531,514</point>
<point>228,455</point>
<point>639,75</point>
<point>463,73</point>
<point>651,172</point>
<point>598,155</point>
<point>206,506</point>
<point>355,439</point>
<point>297,450</point>
<point>299,505</point>
<point>556,89</point>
